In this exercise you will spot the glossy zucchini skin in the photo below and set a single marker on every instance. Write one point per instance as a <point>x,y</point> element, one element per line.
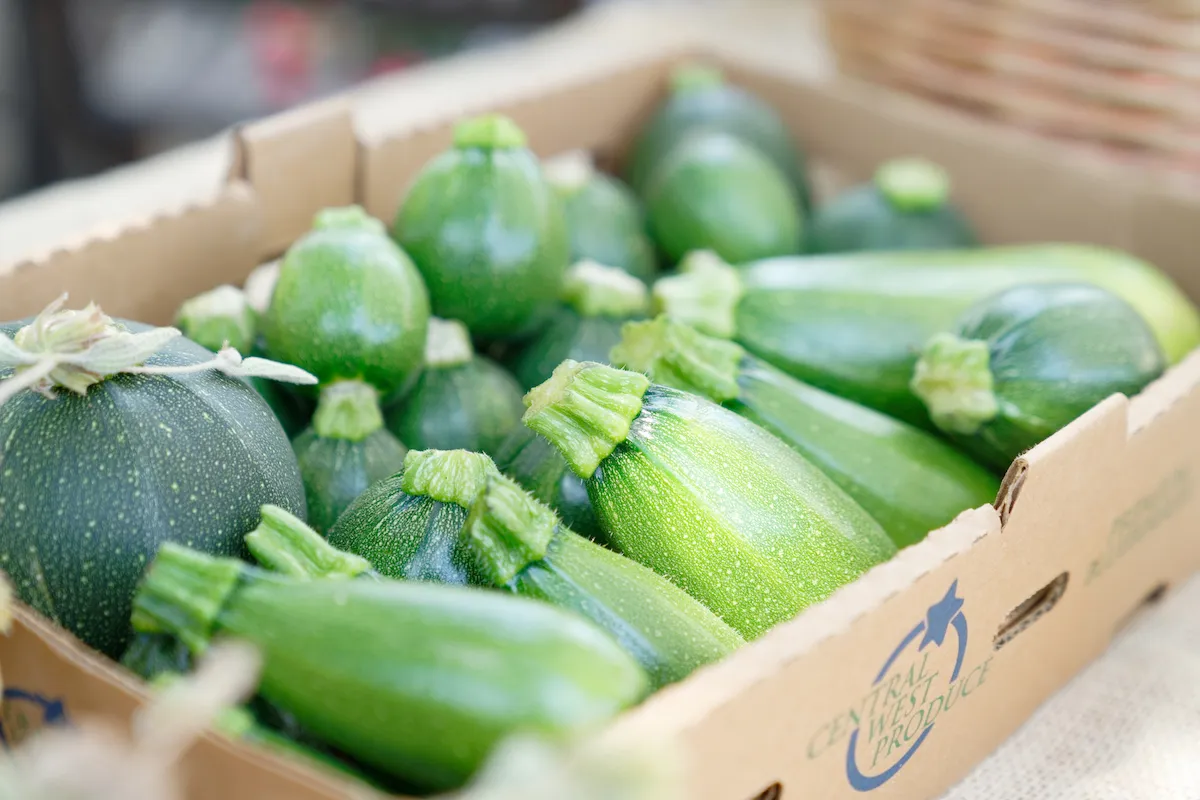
<point>1052,352</point>
<point>606,224</point>
<point>541,470</point>
<point>336,471</point>
<point>715,192</point>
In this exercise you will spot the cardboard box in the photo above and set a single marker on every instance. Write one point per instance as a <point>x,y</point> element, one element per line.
<point>902,681</point>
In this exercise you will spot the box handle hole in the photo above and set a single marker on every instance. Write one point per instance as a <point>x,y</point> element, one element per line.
<point>1030,610</point>
<point>1151,599</point>
<point>772,792</point>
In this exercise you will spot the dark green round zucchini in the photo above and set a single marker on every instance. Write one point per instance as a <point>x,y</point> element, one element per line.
<point>701,99</point>
<point>518,545</point>
<point>605,221</point>
<point>722,508</point>
<point>1028,361</point>
<point>346,450</point>
<point>597,300</point>
<point>853,324</point>
<point>349,304</point>
<point>486,231</point>
<point>418,680</point>
<point>537,465</point>
<point>92,483</point>
<point>910,481</point>
<point>462,401</point>
<point>715,192</point>
<point>409,525</point>
<point>906,207</point>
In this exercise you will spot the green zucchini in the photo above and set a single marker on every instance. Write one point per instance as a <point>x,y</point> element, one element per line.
<point>346,450</point>
<point>150,655</point>
<point>537,465</point>
<point>714,191</point>
<point>410,525</point>
<point>905,207</point>
<point>415,679</point>
<point>854,324</point>
<point>909,480</point>
<point>486,231</point>
<point>1024,363</point>
<point>605,221</point>
<point>701,99</point>
<point>597,300</point>
<point>519,545</point>
<point>462,401</point>
<point>349,304</point>
<point>711,501</point>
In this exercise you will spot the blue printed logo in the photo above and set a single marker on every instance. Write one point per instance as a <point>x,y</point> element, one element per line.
<point>26,712</point>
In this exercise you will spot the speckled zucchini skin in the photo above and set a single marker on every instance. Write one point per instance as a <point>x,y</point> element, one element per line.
<point>336,471</point>
<point>90,485</point>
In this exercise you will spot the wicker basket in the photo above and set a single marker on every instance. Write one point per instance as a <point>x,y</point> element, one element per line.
<point>1119,76</point>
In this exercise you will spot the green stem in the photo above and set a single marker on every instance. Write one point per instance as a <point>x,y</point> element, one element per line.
<point>217,318</point>
<point>913,184</point>
<point>954,379</point>
<point>489,132</point>
<point>507,530</point>
<point>595,290</point>
<point>696,76</point>
<point>447,344</point>
<point>705,295</point>
<point>585,410</point>
<point>448,476</point>
<point>284,544</point>
<point>183,593</point>
<point>347,218</point>
<point>348,410</point>
<point>673,354</point>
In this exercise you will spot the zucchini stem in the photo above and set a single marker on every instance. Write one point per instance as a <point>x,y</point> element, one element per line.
<point>569,172</point>
<point>447,344</point>
<point>689,77</point>
<point>913,184</point>
<point>489,132</point>
<point>283,543</point>
<point>448,476</point>
<point>705,295</point>
<point>672,354</point>
<point>347,218</point>
<point>954,379</point>
<point>595,290</point>
<point>219,318</point>
<point>183,593</point>
<point>348,409</point>
<point>507,530</point>
<point>585,410</point>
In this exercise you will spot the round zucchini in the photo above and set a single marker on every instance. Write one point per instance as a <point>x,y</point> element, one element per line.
<point>906,207</point>
<point>349,304</point>
<point>409,525</point>
<point>537,465</point>
<point>97,472</point>
<point>597,300</point>
<point>909,480</point>
<point>722,508</point>
<point>605,221</point>
<point>715,192</point>
<point>418,680</point>
<point>486,231</point>
<point>462,401</point>
<point>1028,361</point>
<point>346,450</point>
<point>701,99</point>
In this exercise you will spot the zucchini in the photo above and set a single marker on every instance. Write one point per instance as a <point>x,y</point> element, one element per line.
<point>486,231</point>
<point>537,465</point>
<point>853,324</point>
<point>605,220</point>
<point>346,450</point>
<point>597,300</point>
<point>150,655</point>
<point>905,207</point>
<point>132,443</point>
<point>910,481</point>
<point>462,401</point>
<point>519,545</point>
<point>410,525</point>
<point>1024,363</point>
<point>714,191</point>
<point>349,304</point>
<point>415,679</point>
<point>701,99</point>
<point>707,499</point>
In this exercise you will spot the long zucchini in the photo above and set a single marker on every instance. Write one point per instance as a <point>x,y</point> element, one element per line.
<point>854,324</point>
<point>909,480</point>
<point>732,515</point>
